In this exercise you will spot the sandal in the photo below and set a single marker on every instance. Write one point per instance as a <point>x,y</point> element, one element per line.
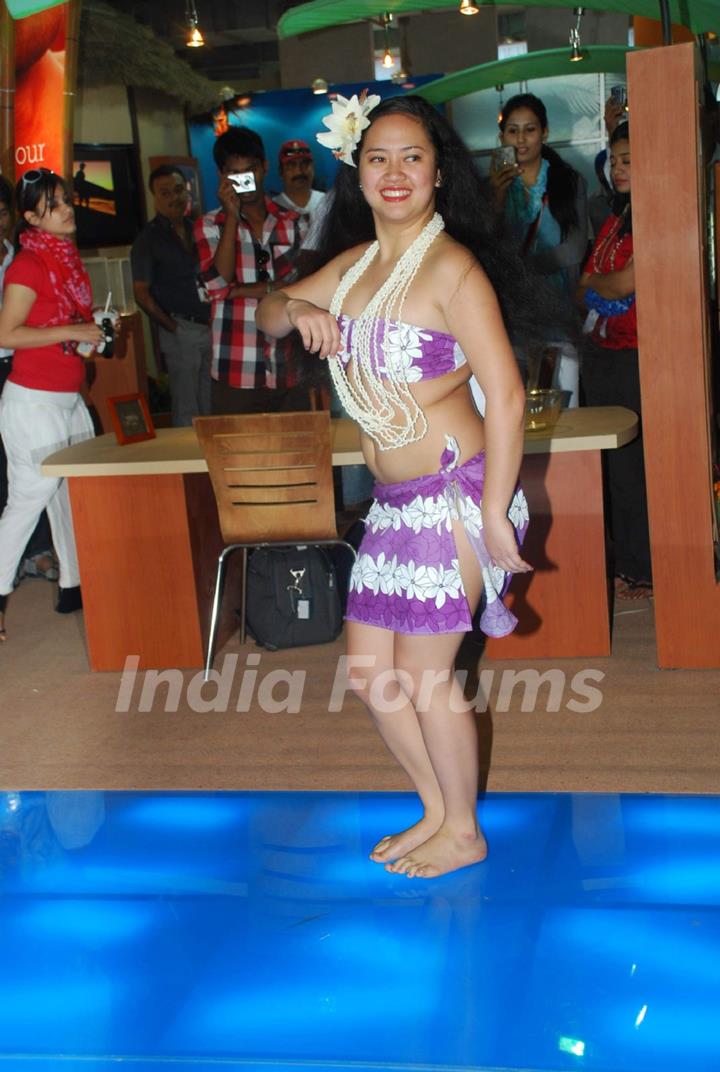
<point>42,565</point>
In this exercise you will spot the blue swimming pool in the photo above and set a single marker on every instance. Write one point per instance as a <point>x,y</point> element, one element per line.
<point>185,931</point>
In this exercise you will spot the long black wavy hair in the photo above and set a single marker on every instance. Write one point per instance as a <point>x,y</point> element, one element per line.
<point>533,310</point>
<point>562,182</point>
<point>29,192</point>
<point>621,204</point>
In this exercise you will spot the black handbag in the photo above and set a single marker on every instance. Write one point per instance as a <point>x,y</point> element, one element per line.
<point>292,597</point>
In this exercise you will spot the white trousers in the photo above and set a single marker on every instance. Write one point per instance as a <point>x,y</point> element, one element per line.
<point>34,424</point>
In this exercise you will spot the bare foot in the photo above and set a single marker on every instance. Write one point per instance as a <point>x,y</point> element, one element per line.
<point>445,851</point>
<point>394,845</point>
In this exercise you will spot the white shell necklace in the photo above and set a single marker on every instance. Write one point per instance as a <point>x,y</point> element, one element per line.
<point>383,406</point>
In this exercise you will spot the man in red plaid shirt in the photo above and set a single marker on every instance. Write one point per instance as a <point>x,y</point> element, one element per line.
<point>247,247</point>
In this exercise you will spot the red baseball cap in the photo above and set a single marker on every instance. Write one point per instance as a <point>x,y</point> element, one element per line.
<point>295,150</point>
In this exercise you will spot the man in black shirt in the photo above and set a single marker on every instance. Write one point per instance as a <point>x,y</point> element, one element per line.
<point>167,286</point>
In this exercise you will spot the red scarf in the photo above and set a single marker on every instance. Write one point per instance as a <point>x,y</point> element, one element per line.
<point>67,273</point>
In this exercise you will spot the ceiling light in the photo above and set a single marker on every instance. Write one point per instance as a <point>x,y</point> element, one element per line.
<point>194,39</point>
<point>318,86</point>
<point>467,7</point>
<point>388,59</point>
<point>500,89</point>
<point>576,52</point>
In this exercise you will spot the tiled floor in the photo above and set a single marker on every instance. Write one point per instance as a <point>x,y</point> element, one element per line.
<point>248,930</point>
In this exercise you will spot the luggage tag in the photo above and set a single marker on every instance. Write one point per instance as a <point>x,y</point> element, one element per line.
<point>590,321</point>
<point>301,605</point>
<point>202,291</point>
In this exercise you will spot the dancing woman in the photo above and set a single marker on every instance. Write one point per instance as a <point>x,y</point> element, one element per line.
<point>409,220</point>
<point>46,311</point>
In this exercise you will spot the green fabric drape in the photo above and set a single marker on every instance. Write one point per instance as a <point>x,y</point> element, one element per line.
<point>545,64</point>
<point>698,15</point>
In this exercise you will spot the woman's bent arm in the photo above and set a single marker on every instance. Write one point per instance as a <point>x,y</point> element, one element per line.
<point>473,317</point>
<point>304,306</point>
<point>612,285</point>
<point>18,300</point>
<point>318,330</point>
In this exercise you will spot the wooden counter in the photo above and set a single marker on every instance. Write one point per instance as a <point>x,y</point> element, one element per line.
<point>148,540</point>
<point>176,450</point>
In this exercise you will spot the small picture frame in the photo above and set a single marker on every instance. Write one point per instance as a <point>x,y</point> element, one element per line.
<point>131,418</point>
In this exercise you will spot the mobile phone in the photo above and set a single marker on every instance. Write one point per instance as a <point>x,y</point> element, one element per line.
<point>619,95</point>
<point>243,182</point>
<point>504,156</point>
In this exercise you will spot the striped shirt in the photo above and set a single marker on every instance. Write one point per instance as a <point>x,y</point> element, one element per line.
<point>242,356</point>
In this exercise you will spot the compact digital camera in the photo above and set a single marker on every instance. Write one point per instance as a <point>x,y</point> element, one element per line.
<point>107,347</point>
<point>505,156</point>
<point>619,95</point>
<point>243,182</point>
<point>107,321</point>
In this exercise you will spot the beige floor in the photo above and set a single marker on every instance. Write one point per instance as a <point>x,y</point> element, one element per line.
<point>653,731</point>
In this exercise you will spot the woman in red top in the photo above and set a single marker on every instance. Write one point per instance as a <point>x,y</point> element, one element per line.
<point>46,312</point>
<point>610,373</point>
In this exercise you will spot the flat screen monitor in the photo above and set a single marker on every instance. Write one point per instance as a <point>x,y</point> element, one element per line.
<point>106,195</point>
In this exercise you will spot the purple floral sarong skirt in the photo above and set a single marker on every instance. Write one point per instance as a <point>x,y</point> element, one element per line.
<point>407,575</point>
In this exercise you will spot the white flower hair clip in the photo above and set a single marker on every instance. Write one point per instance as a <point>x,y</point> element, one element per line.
<point>346,123</point>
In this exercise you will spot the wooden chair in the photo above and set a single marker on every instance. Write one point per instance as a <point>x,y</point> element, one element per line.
<point>272,478</point>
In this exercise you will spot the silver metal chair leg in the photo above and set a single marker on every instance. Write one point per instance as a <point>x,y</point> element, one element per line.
<point>217,599</point>
<point>243,596</point>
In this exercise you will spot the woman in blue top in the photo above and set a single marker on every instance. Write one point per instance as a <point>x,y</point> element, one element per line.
<point>543,199</point>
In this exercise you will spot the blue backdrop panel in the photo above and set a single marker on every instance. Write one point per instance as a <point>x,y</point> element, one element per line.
<point>278,116</point>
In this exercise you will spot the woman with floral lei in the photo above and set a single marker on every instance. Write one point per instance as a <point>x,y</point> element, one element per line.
<point>406,311</point>
<point>46,312</point>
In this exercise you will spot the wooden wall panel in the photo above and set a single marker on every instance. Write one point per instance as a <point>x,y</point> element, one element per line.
<point>673,323</point>
<point>136,527</point>
<point>562,606</point>
<point>649,32</point>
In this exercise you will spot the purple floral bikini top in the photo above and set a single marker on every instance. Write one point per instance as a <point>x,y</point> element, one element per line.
<point>419,353</point>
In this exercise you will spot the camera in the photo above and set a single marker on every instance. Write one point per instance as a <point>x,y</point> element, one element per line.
<point>106,321</point>
<point>619,95</point>
<point>243,182</point>
<point>107,348</point>
<point>504,156</point>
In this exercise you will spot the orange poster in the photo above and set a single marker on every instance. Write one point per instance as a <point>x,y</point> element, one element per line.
<point>40,88</point>
<point>38,58</point>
